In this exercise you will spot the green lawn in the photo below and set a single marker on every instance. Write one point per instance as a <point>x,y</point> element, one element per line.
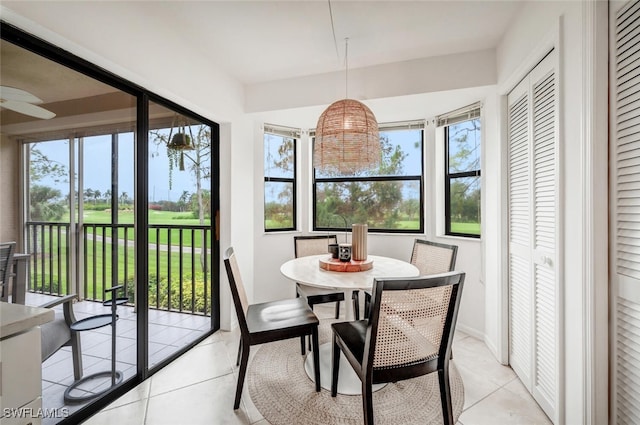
<point>160,236</point>
<point>408,224</point>
<point>466,228</point>
<point>155,217</point>
<point>163,264</point>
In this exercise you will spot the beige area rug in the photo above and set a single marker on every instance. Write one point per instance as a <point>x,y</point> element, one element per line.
<point>284,394</point>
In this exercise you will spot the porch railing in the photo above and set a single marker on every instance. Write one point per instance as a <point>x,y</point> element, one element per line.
<point>49,266</point>
<point>179,263</point>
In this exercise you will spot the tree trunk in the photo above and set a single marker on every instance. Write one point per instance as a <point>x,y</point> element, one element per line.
<point>200,209</point>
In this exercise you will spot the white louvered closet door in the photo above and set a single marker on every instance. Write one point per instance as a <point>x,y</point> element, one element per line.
<point>533,234</point>
<point>625,177</point>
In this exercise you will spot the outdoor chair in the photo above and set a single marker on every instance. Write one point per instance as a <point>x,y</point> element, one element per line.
<point>7,249</point>
<point>315,245</point>
<point>430,258</point>
<point>408,334</point>
<point>268,322</point>
<point>57,333</point>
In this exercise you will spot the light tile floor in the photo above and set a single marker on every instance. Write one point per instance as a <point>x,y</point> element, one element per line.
<point>198,388</point>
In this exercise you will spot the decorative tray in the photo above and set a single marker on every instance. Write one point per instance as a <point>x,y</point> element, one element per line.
<point>335,265</point>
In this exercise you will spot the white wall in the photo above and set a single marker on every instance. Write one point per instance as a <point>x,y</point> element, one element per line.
<point>493,227</point>
<point>428,75</point>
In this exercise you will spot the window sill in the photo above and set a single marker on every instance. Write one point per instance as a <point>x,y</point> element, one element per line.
<point>460,238</point>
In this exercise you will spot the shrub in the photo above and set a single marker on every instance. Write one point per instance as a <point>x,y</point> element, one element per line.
<point>161,297</point>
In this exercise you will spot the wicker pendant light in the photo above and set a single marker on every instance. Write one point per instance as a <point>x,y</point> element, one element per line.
<point>347,139</point>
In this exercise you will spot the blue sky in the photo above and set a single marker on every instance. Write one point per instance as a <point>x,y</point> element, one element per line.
<point>97,164</point>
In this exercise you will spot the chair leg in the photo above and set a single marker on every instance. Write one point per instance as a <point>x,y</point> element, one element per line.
<point>302,344</point>
<point>367,305</point>
<point>304,336</point>
<point>239,352</point>
<point>356,305</point>
<point>335,366</point>
<point>241,375</point>
<point>316,357</point>
<point>76,353</point>
<point>337,309</point>
<point>367,401</point>
<point>445,396</point>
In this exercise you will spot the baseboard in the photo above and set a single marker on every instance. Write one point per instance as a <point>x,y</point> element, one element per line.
<point>493,349</point>
<point>471,332</point>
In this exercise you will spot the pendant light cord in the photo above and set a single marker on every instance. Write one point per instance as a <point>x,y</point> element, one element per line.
<point>346,67</point>
<point>333,30</point>
<point>346,51</point>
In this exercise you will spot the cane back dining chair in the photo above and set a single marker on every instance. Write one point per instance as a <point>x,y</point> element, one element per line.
<point>315,245</point>
<point>408,334</point>
<point>430,258</point>
<point>268,322</point>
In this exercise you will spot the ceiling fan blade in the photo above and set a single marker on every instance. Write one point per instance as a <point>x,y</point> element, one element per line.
<point>12,93</point>
<point>27,109</point>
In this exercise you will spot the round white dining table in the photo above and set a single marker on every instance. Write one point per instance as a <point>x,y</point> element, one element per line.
<point>307,270</point>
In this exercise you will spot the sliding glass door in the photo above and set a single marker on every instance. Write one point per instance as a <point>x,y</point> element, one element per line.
<point>116,189</point>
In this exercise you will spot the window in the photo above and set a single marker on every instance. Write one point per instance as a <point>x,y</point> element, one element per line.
<point>280,178</point>
<point>462,138</point>
<point>388,199</point>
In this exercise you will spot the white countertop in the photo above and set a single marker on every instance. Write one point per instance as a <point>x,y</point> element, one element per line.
<point>16,318</point>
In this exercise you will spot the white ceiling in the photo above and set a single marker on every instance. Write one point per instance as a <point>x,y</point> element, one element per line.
<point>259,41</point>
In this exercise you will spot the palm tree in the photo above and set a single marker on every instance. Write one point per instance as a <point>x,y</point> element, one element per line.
<point>88,193</point>
<point>182,201</point>
<point>46,203</point>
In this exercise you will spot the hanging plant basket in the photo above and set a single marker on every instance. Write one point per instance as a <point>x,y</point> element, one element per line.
<point>181,142</point>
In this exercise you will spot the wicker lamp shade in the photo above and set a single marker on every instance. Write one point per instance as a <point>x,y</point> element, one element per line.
<point>347,139</point>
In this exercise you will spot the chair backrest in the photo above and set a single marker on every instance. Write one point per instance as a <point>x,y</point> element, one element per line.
<point>433,257</point>
<point>312,245</point>
<point>412,322</point>
<point>238,292</point>
<point>6,263</point>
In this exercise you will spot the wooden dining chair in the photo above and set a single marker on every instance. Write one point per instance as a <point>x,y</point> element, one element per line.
<point>408,334</point>
<point>430,258</point>
<point>268,322</point>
